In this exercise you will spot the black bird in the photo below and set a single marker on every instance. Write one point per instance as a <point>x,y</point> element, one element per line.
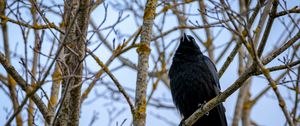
<point>194,81</point>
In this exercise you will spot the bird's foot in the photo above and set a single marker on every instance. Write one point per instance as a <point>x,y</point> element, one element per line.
<point>201,105</point>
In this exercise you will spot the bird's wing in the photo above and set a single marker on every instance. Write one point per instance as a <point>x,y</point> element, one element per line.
<point>212,70</point>
<point>220,108</point>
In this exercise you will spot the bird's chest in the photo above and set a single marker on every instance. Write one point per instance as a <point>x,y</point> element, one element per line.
<point>190,74</point>
<point>192,80</point>
<point>191,71</point>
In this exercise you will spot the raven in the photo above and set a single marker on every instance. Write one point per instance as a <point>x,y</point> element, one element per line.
<point>193,81</point>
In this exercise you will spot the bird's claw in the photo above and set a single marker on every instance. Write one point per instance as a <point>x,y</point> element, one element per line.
<point>201,105</point>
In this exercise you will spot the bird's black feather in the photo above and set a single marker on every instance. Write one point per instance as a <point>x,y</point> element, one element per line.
<point>194,81</point>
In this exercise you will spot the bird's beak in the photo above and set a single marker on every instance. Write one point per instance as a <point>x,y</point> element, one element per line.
<point>185,37</point>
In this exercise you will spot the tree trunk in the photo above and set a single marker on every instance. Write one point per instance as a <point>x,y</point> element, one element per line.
<point>139,117</point>
<point>76,17</point>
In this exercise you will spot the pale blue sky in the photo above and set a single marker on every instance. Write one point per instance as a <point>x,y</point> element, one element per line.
<point>266,112</point>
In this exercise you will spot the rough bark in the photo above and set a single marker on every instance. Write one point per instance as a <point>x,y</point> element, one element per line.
<point>139,118</point>
<point>76,17</point>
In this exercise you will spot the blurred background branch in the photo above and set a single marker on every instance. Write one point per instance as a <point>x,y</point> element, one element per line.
<point>98,55</point>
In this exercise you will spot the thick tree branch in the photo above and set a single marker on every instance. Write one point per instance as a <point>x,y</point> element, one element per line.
<point>22,83</point>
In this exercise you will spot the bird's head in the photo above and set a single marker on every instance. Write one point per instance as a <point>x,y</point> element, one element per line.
<point>188,46</point>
